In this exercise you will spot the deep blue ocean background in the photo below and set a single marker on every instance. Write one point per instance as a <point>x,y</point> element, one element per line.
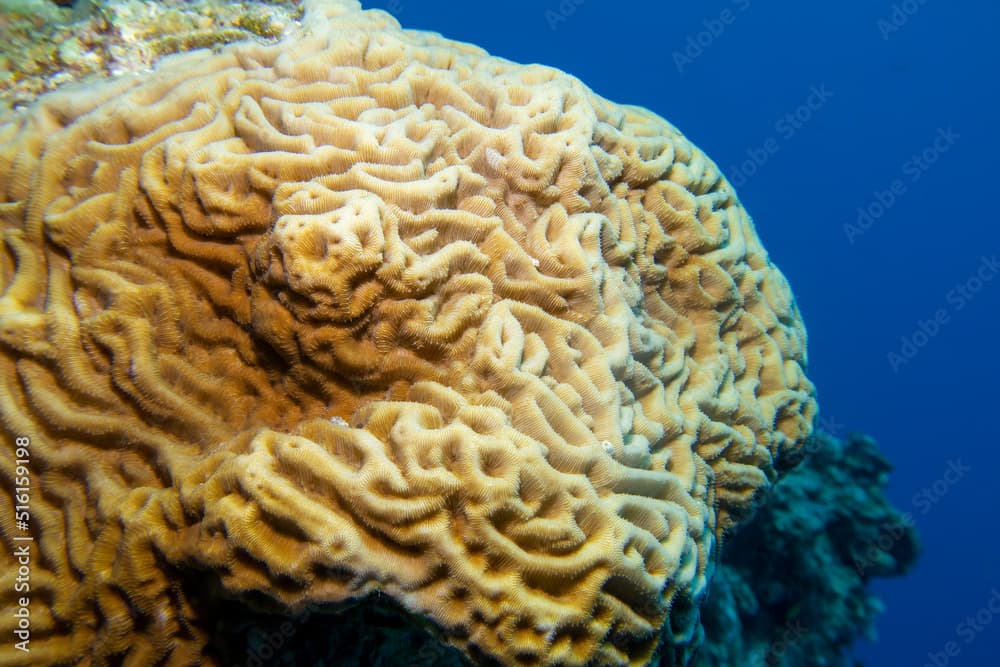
<point>815,110</point>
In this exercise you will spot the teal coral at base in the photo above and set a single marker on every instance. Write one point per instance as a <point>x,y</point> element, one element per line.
<point>792,590</point>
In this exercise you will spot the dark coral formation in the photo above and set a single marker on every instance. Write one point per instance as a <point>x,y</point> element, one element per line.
<point>792,590</point>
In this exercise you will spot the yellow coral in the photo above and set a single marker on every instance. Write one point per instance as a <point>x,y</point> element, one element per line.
<point>371,310</point>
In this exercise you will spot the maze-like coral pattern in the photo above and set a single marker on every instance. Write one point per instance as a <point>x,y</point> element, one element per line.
<point>370,310</point>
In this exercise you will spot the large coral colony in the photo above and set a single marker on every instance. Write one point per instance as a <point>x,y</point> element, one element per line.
<point>370,310</point>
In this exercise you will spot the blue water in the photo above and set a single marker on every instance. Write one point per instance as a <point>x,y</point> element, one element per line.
<point>865,98</point>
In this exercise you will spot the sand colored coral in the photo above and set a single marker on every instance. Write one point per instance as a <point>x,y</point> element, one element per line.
<point>369,310</point>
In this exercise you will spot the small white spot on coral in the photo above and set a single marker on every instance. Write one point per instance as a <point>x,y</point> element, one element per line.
<point>495,159</point>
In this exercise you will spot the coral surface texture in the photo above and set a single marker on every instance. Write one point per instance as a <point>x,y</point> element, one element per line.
<point>368,310</point>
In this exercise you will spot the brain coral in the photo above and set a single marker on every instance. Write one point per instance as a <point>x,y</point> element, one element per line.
<point>369,310</point>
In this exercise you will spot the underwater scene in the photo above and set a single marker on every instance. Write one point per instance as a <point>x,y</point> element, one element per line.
<point>539,333</point>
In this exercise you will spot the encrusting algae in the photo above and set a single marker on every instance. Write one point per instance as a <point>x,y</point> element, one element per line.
<point>44,46</point>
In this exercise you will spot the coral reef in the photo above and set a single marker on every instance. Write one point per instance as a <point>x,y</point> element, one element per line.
<point>791,590</point>
<point>369,311</point>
